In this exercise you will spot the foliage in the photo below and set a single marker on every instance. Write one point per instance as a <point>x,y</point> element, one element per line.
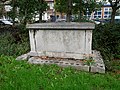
<point>64,6</point>
<point>2,9</point>
<point>19,75</point>
<point>41,7</point>
<point>88,59</point>
<point>14,41</point>
<point>27,9</point>
<point>106,38</point>
<point>115,6</point>
<point>91,5</point>
<point>60,6</point>
<point>78,7</point>
<point>1,6</point>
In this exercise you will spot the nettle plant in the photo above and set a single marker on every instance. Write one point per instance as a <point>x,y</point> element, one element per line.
<point>88,59</point>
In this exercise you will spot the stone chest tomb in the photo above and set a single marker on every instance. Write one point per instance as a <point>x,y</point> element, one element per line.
<point>64,44</point>
<point>66,40</point>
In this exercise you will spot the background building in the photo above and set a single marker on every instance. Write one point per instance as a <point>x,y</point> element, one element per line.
<point>50,11</point>
<point>103,13</point>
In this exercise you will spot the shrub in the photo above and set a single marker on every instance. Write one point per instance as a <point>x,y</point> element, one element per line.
<point>106,38</point>
<point>14,41</point>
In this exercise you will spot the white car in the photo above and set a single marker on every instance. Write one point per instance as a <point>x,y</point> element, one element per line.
<point>96,22</point>
<point>5,22</point>
<point>117,19</point>
<point>60,20</point>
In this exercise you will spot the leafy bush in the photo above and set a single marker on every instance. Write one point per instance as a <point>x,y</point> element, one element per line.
<point>106,38</point>
<point>14,41</point>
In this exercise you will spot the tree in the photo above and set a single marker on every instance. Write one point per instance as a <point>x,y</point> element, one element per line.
<point>78,7</point>
<point>115,6</point>
<point>69,10</point>
<point>82,7</point>
<point>90,6</point>
<point>41,7</point>
<point>60,6</point>
<point>21,9</point>
<point>13,12</point>
<point>2,8</point>
<point>25,10</point>
<point>64,6</point>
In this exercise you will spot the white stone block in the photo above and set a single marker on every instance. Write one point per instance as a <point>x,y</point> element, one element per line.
<point>67,40</point>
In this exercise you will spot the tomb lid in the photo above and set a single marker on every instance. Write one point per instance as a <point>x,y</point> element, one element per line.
<point>61,26</point>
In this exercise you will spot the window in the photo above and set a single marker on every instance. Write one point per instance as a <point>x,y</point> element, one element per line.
<point>51,5</point>
<point>98,14</point>
<point>105,16</point>
<point>106,13</point>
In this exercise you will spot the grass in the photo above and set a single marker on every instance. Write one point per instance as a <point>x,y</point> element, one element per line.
<point>20,75</point>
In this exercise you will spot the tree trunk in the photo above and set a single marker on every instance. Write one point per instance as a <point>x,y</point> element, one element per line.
<point>61,15</point>
<point>80,11</point>
<point>113,16</point>
<point>40,11</point>
<point>68,18</point>
<point>14,9</point>
<point>40,16</point>
<point>25,19</point>
<point>3,10</point>
<point>80,16</point>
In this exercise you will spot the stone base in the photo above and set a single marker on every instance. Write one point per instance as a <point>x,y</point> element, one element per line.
<point>58,54</point>
<point>98,65</point>
<point>23,57</point>
<point>63,63</point>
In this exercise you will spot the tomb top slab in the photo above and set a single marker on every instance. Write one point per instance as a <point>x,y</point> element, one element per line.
<point>61,26</point>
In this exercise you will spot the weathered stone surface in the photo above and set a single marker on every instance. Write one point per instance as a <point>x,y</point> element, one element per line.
<point>23,57</point>
<point>64,40</point>
<point>99,65</point>
<point>97,69</point>
<point>63,26</point>
<point>58,54</point>
<point>62,63</point>
<point>81,67</point>
<point>61,39</point>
